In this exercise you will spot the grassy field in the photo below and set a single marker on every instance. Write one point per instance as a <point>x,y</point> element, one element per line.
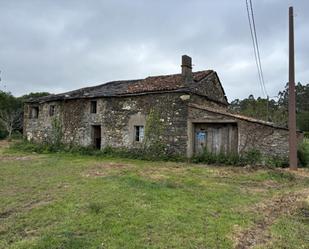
<point>68,201</point>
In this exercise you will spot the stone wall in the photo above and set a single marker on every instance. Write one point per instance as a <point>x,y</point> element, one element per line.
<point>38,129</point>
<point>205,102</point>
<point>211,87</point>
<point>251,135</point>
<point>117,117</point>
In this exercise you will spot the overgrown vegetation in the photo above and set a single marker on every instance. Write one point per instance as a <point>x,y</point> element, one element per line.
<point>303,153</point>
<point>141,153</point>
<point>251,157</point>
<point>56,134</point>
<point>154,132</point>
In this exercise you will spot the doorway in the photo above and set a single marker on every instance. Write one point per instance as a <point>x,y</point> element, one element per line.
<point>215,138</point>
<point>96,136</point>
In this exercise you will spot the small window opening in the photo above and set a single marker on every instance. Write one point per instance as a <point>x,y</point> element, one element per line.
<point>139,133</point>
<point>51,110</point>
<point>93,108</point>
<point>34,112</point>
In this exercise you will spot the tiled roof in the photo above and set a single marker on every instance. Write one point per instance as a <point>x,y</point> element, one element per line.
<point>151,84</point>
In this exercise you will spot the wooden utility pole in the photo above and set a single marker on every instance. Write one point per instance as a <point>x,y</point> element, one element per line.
<point>292,105</point>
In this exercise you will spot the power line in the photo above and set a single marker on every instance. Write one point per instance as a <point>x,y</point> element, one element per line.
<point>256,50</point>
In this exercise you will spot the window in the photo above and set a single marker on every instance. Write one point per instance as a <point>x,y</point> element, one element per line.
<point>93,108</point>
<point>51,110</point>
<point>34,113</point>
<point>139,133</point>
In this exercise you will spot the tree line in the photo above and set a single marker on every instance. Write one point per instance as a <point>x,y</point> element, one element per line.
<point>274,109</point>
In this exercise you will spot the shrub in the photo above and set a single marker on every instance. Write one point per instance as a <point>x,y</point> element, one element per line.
<point>277,162</point>
<point>303,154</point>
<point>132,153</point>
<point>17,135</point>
<point>3,134</point>
<point>253,157</point>
<point>281,176</point>
<point>220,159</point>
<point>24,145</point>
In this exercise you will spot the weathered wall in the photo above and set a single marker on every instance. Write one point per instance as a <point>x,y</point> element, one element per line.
<point>211,87</point>
<point>269,140</point>
<point>39,128</point>
<point>117,117</point>
<point>205,102</point>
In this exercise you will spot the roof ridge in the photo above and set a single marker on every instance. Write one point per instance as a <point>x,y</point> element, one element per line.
<point>133,80</point>
<point>175,74</point>
<point>148,84</point>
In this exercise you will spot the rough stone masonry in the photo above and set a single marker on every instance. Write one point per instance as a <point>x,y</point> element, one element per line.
<point>192,109</point>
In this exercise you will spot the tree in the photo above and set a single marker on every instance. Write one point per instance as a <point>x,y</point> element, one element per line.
<point>32,95</point>
<point>302,104</point>
<point>10,113</point>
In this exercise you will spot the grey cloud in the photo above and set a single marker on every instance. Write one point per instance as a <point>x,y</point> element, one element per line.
<point>62,45</point>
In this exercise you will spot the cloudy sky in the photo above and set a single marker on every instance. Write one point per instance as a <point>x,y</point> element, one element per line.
<point>59,45</point>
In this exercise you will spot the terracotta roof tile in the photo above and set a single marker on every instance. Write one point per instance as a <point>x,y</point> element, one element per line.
<point>171,82</point>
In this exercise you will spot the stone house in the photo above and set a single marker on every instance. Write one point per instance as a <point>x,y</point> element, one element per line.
<point>191,106</point>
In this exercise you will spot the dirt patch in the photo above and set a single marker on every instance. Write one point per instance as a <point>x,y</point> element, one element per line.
<point>260,187</point>
<point>161,173</point>
<point>154,175</point>
<point>271,209</point>
<point>16,158</point>
<point>36,204</point>
<point>106,169</point>
<point>230,172</point>
<point>7,213</point>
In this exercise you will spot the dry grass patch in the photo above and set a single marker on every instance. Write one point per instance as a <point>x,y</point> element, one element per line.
<point>158,173</point>
<point>302,172</point>
<point>15,158</point>
<point>4,144</point>
<point>271,209</point>
<point>25,208</point>
<point>106,169</point>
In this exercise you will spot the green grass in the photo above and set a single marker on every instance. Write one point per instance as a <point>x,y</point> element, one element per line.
<point>70,201</point>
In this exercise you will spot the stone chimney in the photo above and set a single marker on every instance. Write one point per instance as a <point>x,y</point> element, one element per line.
<point>186,68</point>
